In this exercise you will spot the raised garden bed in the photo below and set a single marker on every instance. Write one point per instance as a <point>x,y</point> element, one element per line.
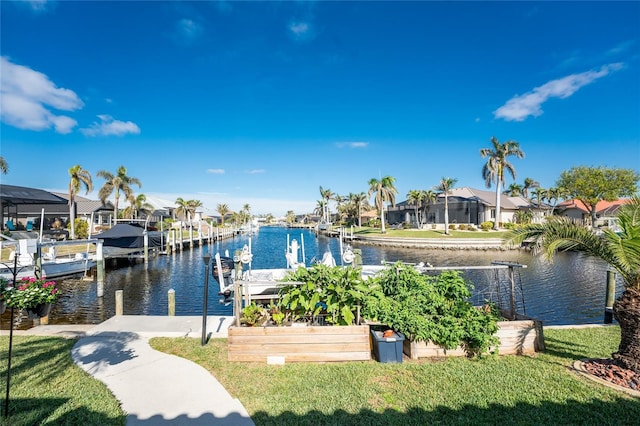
<point>278,345</point>
<point>521,337</point>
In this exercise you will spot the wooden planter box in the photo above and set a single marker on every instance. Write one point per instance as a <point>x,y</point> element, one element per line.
<point>522,337</point>
<point>278,345</point>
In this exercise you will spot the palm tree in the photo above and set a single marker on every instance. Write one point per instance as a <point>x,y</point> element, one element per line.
<point>182,212</point>
<point>620,250</point>
<point>415,197</point>
<point>79,178</point>
<point>529,184</point>
<point>445,186</point>
<point>384,191</point>
<point>553,195</point>
<point>320,208</point>
<point>513,190</point>
<point>496,165</point>
<point>116,183</point>
<point>327,196</point>
<point>138,204</point>
<point>428,197</point>
<point>223,210</point>
<point>359,201</point>
<point>4,167</point>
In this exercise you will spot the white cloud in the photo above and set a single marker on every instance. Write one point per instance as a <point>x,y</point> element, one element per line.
<point>108,126</point>
<point>255,171</point>
<point>189,30</point>
<point>216,171</point>
<point>352,144</point>
<point>37,5</point>
<point>301,31</point>
<point>520,107</point>
<point>25,96</point>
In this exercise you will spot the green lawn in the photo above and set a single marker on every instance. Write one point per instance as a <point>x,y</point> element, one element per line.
<point>422,233</point>
<point>47,388</point>
<point>493,390</point>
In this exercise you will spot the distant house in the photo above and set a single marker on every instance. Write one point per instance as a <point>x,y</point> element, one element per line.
<point>466,206</point>
<point>85,209</point>
<point>606,211</point>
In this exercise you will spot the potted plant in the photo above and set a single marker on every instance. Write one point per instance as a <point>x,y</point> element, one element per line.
<point>33,294</point>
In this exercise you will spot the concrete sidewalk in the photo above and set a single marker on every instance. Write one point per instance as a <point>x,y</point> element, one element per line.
<point>154,388</point>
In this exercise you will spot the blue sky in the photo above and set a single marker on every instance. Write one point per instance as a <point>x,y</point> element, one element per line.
<point>261,103</point>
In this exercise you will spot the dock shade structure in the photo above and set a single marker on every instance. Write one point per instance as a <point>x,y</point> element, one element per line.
<point>12,197</point>
<point>124,239</point>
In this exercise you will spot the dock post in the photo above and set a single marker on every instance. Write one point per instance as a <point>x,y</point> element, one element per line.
<point>119,309</point>
<point>611,295</point>
<point>146,247</point>
<point>172,302</point>
<point>100,267</point>
<point>38,262</point>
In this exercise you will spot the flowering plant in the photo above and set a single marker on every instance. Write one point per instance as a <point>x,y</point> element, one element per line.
<point>30,292</point>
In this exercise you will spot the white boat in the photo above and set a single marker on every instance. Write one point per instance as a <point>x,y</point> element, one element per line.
<point>22,259</point>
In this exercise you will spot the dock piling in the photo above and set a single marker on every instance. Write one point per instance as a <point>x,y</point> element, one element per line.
<point>172,302</point>
<point>119,302</point>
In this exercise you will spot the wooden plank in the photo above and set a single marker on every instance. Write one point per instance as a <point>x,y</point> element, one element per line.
<point>309,347</point>
<point>303,357</point>
<point>331,330</point>
<point>295,339</point>
<point>516,338</point>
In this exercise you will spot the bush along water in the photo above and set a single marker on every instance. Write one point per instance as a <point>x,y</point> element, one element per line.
<point>434,308</point>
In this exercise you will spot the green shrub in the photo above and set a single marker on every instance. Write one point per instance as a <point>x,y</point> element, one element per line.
<point>333,291</point>
<point>485,226</point>
<point>432,308</point>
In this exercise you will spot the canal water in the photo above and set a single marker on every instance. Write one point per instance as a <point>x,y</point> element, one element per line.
<point>569,290</point>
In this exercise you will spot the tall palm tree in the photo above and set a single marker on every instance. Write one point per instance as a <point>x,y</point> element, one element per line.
<point>529,184</point>
<point>223,210</point>
<point>429,197</point>
<point>384,191</point>
<point>182,211</point>
<point>415,197</point>
<point>320,208</point>
<point>620,250</point>
<point>497,163</point>
<point>120,182</point>
<point>445,186</point>
<point>4,167</point>
<point>359,201</point>
<point>327,196</point>
<point>79,178</point>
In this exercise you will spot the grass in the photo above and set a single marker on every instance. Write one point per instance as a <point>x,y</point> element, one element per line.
<point>492,390</point>
<point>423,233</point>
<point>47,388</point>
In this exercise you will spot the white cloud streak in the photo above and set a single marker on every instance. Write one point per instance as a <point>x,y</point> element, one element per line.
<point>520,107</point>
<point>107,126</point>
<point>215,171</point>
<point>255,171</point>
<point>354,145</point>
<point>26,95</point>
<point>189,30</point>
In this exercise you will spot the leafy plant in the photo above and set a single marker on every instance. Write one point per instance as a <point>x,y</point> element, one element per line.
<point>276,314</point>
<point>253,314</point>
<point>333,291</point>
<point>432,308</point>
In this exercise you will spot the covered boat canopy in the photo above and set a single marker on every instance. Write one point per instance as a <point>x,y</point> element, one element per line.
<point>124,235</point>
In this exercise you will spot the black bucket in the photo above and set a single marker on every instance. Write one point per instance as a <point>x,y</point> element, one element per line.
<point>226,264</point>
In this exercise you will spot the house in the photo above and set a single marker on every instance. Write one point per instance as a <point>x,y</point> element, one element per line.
<point>606,211</point>
<point>466,206</point>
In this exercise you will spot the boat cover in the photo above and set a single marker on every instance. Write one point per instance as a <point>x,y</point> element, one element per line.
<point>126,235</point>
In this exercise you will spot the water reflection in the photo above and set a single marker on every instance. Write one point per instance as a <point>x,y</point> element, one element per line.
<point>569,290</point>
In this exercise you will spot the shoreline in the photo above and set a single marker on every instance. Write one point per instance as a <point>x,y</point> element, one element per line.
<point>482,244</point>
